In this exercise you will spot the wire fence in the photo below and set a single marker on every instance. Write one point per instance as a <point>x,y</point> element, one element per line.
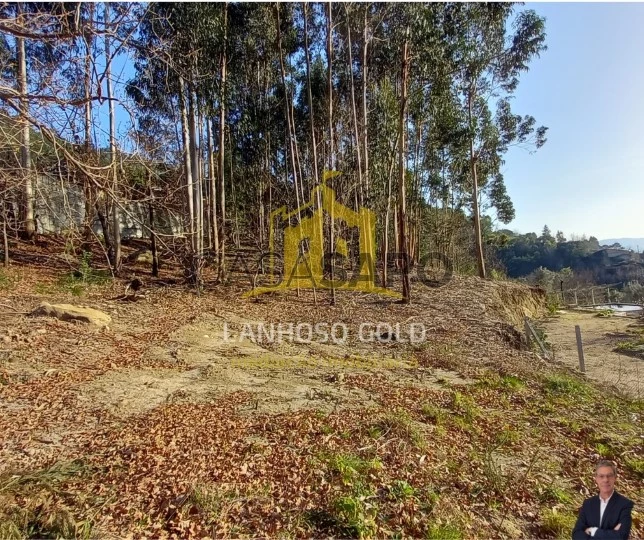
<point>609,351</point>
<point>597,295</point>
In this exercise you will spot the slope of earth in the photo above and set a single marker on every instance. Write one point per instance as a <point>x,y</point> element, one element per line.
<point>168,424</point>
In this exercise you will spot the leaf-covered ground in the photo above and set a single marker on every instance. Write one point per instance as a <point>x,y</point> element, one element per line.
<point>465,436</point>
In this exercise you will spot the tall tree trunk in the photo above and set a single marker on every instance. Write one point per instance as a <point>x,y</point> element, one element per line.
<point>236,234</point>
<point>316,178</point>
<point>290,147</point>
<point>222,127</point>
<point>329,53</point>
<point>213,187</point>
<point>402,194</point>
<point>365,125</point>
<point>187,162</point>
<point>153,234</point>
<point>287,107</point>
<point>5,236</point>
<point>385,244</point>
<point>354,112</point>
<point>475,189</point>
<point>27,206</point>
<point>116,225</point>
<point>196,189</point>
<point>88,189</point>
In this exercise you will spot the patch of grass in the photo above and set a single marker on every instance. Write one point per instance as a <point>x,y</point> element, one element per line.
<point>428,499</point>
<point>511,382</point>
<point>213,502</point>
<point>605,313</point>
<point>553,305</point>
<point>507,435</point>
<point>433,414</point>
<point>5,282</point>
<point>30,506</point>
<point>605,450</point>
<point>636,465</point>
<point>44,288</point>
<point>78,281</point>
<point>557,524</point>
<point>630,345</point>
<point>356,516</point>
<point>374,432</point>
<point>400,490</point>
<point>46,478</point>
<point>494,476</point>
<point>443,532</point>
<point>555,494</point>
<point>440,431</point>
<point>567,385</point>
<point>399,423</point>
<point>351,467</point>
<point>465,407</point>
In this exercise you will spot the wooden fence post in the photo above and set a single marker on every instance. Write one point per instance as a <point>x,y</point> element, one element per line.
<point>580,350</point>
<point>526,328</point>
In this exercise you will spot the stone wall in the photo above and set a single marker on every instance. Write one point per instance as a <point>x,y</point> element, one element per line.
<point>60,208</point>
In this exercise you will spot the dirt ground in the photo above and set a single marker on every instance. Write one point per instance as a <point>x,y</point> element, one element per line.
<point>600,337</point>
<point>157,426</point>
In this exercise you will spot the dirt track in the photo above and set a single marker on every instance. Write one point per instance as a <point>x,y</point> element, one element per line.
<point>600,336</point>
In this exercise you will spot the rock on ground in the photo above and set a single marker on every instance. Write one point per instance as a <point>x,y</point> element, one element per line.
<point>68,312</point>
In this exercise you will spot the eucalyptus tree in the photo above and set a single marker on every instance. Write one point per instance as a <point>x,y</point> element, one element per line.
<point>489,53</point>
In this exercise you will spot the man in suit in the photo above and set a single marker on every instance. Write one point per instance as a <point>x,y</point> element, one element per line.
<point>607,515</point>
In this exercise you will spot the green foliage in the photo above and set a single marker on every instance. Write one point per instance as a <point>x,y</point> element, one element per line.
<point>605,450</point>
<point>350,467</point>
<point>433,414</point>
<point>497,275</point>
<point>557,524</point>
<point>212,501</point>
<point>636,465</point>
<point>399,423</point>
<point>631,345</point>
<point>5,282</point>
<point>553,305</point>
<point>512,382</point>
<point>605,313</point>
<point>555,494</point>
<point>546,263</point>
<point>400,490</point>
<point>465,407</point>
<point>567,386</point>
<point>77,281</point>
<point>507,436</point>
<point>356,515</point>
<point>443,532</point>
<point>41,513</point>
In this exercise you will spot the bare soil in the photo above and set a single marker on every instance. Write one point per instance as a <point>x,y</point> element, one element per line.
<point>600,337</point>
<point>158,427</point>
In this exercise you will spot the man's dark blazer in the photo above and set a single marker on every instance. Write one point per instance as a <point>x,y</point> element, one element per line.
<point>617,511</point>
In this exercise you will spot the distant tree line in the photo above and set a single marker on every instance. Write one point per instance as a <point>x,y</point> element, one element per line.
<point>550,260</point>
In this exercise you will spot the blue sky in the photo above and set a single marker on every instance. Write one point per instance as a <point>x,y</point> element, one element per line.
<point>588,88</point>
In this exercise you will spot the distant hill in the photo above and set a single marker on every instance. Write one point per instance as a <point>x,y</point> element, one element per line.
<point>636,244</point>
